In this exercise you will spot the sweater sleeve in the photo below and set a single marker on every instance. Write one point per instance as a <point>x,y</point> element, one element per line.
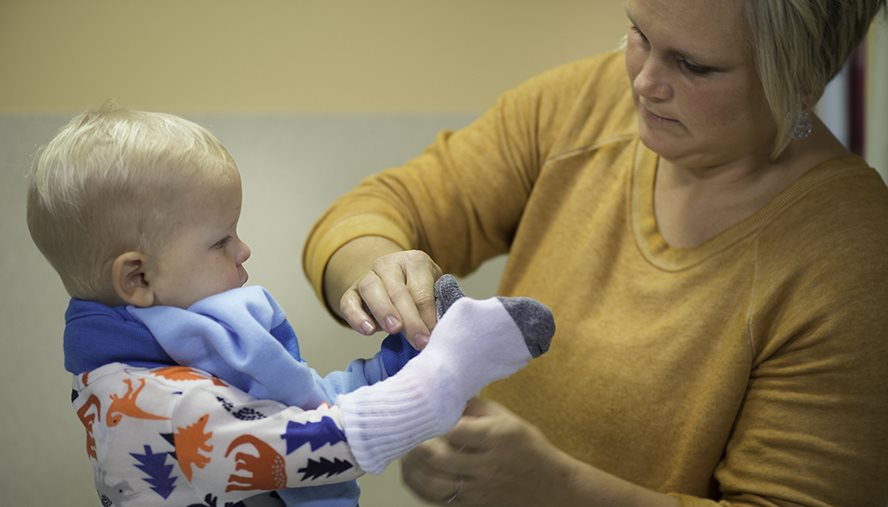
<point>394,354</point>
<point>229,442</point>
<point>462,199</point>
<point>178,436</point>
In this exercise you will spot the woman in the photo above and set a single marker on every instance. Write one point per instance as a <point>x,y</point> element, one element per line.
<point>713,256</point>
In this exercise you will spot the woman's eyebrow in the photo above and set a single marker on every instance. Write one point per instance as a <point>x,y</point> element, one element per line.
<point>676,53</point>
<point>631,19</point>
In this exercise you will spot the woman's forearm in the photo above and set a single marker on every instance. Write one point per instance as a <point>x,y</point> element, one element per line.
<point>587,485</point>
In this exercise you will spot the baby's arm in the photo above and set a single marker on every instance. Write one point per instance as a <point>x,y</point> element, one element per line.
<point>260,445</point>
<point>394,353</point>
<point>178,436</point>
<point>474,343</point>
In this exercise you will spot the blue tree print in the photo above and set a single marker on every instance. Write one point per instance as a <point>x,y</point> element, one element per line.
<point>159,473</point>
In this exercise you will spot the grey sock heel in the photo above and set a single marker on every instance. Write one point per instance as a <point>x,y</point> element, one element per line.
<point>534,320</point>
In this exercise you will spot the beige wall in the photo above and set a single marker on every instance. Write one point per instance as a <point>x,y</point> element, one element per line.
<point>877,98</point>
<point>288,55</point>
<point>308,95</point>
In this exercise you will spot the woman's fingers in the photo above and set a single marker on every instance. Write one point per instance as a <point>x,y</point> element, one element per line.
<point>412,288</point>
<point>355,311</point>
<point>420,471</point>
<point>396,296</point>
<point>421,282</point>
<point>374,292</point>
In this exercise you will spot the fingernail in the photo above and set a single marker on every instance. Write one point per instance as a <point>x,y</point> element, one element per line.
<point>367,328</point>
<point>391,324</point>
<point>421,340</point>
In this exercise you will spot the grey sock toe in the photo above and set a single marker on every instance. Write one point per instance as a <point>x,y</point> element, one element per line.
<point>534,320</point>
<point>447,291</point>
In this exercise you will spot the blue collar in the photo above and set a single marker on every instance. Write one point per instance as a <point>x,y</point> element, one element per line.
<point>97,334</point>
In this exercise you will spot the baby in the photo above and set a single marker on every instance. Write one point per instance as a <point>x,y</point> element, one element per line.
<point>190,386</point>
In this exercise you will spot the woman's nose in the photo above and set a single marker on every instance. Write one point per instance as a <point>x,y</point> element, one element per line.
<point>650,82</point>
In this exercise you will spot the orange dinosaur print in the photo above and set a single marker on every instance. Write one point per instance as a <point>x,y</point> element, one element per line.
<point>186,373</point>
<point>87,418</point>
<point>266,468</point>
<point>126,406</point>
<point>189,442</point>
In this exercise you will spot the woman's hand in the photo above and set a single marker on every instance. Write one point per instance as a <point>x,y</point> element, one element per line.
<point>491,457</point>
<point>396,293</point>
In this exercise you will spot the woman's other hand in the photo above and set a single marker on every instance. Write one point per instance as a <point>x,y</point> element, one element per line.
<point>491,457</point>
<point>380,286</point>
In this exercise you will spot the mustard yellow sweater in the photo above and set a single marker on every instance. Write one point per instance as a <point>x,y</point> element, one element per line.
<point>751,370</point>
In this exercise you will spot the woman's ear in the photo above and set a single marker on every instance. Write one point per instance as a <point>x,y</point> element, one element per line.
<point>128,276</point>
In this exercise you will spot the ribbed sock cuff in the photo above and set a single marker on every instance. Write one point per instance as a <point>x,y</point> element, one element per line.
<point>384,421</point>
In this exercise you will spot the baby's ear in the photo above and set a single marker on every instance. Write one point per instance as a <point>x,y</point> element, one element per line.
<point>128,276</point>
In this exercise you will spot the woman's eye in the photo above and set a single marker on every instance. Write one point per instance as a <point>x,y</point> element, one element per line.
<point>695,69</point>
<point>639,33</point>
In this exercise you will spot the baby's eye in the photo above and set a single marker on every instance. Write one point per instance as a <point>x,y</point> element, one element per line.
<point>222,243</point>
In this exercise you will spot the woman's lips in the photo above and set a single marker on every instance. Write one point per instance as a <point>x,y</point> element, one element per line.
<point>657,118</point>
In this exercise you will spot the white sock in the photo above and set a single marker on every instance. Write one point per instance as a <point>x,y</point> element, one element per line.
<point>476,342</point>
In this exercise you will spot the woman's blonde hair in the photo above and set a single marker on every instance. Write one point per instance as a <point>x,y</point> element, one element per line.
<point>108,182</point>
<point>799,46</point>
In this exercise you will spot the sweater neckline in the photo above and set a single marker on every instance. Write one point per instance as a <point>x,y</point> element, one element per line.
<point>654,247</point>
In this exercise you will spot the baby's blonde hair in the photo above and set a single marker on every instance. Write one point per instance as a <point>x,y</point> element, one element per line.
<point>110,182</point>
